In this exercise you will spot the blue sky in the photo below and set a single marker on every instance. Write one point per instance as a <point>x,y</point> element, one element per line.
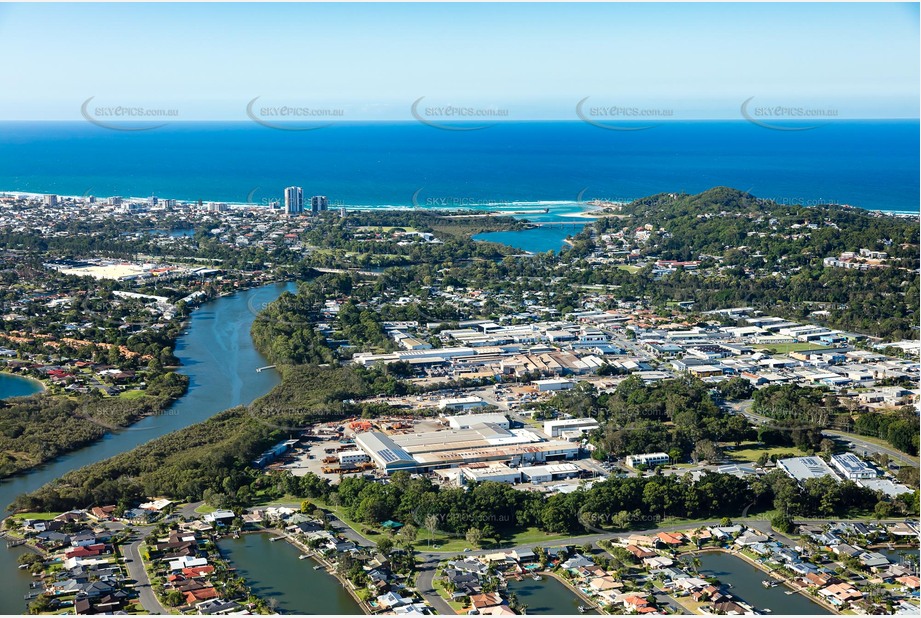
<point>534,60</point>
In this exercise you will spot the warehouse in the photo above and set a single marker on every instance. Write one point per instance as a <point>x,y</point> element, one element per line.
<point>495,472</point>
<point>384,452</point>
<point>545,386</point>
<point>466,421</point>
<point>555,428</point>
<point>549,473</point>
<point>462,403</point>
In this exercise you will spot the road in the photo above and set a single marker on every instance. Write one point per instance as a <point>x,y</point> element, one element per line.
<point>859,443</point>
<point>137,572</point>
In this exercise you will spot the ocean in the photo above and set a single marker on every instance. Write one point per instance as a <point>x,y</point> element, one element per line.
<point>524,166</point>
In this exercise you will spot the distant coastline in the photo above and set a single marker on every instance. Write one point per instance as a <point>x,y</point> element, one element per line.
<point>589,210</point>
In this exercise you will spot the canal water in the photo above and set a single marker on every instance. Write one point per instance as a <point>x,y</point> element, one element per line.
<point>746,585</point>
<point>217,354</point>
<point>535,240</point>
<point>273,570</point>
<point>547,596</point>
<point>17,386</point>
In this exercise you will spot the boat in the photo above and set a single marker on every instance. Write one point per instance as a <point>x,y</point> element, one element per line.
<point>536,577</point>
<point>766,610</point>
<point>23,566</point>
<point>303,557</point>
<point>317,567</point>
<point>582,609</point>
<point>790,592</point>
<point>274,538</point>
<point>768,583</point>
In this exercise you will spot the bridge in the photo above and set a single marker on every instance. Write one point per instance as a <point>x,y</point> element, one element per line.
<point>558,224</point>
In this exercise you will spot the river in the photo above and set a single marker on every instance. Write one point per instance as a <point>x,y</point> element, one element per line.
<point>746,585</point>
<point>547,596</point>
<point>17,386</point>
<point>217,354</point>
<point>273,570</point>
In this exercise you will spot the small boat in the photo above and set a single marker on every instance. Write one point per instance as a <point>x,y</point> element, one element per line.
<point>768,583</point>
<point>766,610</point>
<point>23,566</point>
<point>790,592</point>
<point>536,577</point>
<point>317,567</point>
<point>582,609</point>
<point>303,557</point>
<point>274,538</point>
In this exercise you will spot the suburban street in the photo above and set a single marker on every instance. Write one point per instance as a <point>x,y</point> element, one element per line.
<point>137,572</point>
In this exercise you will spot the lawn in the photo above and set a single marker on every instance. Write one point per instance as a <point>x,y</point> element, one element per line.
<point>204,509</point>
<point>786,348</point>
<point>133,394</point>
<point>630,268</point>
<point>750,452</point>
<point>35,515</point>
<point>443,593</point>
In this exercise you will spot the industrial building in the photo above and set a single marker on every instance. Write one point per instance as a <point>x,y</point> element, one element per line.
<point>852,467</point>
<point>549,472</point>
<point>466,421</point>
<point>553,384</point>
<point>557,428</point>
<point>648,459</point>
<point>805,468</point>
<point>480,443</point>
<point>462,403</point>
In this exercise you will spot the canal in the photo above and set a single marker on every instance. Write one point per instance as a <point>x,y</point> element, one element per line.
<point>746,579</point>
<point>217,353</point>
<point>275,573</point>
<point>17,386</point>
<point>547,596</point>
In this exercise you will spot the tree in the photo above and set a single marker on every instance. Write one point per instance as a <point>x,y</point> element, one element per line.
<point>782,522</point>
<point>431,524</point>
<point>474,536</point>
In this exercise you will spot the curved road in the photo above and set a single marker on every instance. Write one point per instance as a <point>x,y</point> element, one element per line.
<point>137,572</point>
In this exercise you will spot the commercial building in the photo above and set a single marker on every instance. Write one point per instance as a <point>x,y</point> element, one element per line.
<point>294,200</point>
<point>467,421</point>
<point>648,459</point>
<point>852,467</point>
<point>805,468</point>
<point>556,428</point>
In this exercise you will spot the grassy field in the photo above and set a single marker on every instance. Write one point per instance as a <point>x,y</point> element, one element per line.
<point>750,452</point>
<point>204,509</point>
<point>630,268</point>
<point>786,348</point>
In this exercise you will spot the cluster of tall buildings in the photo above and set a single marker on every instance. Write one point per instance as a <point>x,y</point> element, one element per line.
<point>294,202</point>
